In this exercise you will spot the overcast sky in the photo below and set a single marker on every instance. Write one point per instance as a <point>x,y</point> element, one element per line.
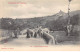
<point>35,8</point>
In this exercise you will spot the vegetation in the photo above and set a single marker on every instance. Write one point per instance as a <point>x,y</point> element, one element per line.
<point>48,21</point>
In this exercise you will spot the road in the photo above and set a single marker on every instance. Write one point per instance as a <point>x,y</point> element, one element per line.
<point>23,41</point>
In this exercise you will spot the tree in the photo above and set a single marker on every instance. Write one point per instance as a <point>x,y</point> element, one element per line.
<point>57,25</point>
<point>8,23</point>
<point>74,20</point>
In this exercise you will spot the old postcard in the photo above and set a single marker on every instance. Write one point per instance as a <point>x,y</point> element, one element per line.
<point>39,25</point>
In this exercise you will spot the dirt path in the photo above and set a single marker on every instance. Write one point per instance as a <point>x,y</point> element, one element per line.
<point>23,41</point>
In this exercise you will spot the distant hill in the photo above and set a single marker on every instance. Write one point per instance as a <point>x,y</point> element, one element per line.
<point>75,13</point>
<point>41,21</point>
<point>33,22</point>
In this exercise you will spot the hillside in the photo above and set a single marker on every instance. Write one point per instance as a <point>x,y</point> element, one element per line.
<point>41,21</point>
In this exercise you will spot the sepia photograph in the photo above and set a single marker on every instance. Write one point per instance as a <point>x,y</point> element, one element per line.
<point>40,25</point>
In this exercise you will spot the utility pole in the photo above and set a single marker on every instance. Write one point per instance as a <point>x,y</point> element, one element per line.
<point>69,25</point>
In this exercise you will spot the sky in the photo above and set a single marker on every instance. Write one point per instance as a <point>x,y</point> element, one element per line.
<point>35,8</point>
